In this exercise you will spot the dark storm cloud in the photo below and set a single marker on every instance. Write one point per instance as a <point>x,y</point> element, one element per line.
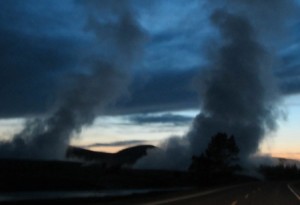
<point>159,91</point>
<point>187,45</point>
<point>33,59</point>
<point>30,73</point>
<point>288,73</point>
<point>161,119</point>
<point>290,85</point>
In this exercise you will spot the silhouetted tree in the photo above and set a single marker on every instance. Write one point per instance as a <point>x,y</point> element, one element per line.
<point>219,159</point>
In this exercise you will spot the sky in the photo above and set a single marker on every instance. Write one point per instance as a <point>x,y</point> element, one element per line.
<point>46,44</point>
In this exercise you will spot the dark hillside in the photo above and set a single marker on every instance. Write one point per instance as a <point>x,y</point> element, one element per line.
<point>126,157</point>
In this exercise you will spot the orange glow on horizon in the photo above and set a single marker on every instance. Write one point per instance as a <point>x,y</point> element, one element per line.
<point>287,155</point>
<point>109,149</point>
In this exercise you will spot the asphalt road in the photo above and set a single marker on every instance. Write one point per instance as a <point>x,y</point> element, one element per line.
<point>260,193</point>
<point>264,193</point>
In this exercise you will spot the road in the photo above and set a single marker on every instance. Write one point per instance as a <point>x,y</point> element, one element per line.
<point>261,193</point>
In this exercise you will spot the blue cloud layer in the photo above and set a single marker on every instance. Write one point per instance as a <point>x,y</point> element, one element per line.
<point>43,44</point>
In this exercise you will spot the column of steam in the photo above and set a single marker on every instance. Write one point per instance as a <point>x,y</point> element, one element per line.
<point>240,95</point>
<point>104,82</point>
<point>238,92</point>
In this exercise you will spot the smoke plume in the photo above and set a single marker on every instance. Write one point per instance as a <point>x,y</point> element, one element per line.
<point>103,79</point>
<point>237,89</point>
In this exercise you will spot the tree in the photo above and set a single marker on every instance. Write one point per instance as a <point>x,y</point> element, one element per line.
<point>219,159</point>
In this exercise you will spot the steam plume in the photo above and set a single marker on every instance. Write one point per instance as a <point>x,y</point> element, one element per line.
<point>237,89</point>
<point>103,80</point>
<point>238,93</point>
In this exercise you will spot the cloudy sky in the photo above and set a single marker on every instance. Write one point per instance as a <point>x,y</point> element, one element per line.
<point>46,44</point>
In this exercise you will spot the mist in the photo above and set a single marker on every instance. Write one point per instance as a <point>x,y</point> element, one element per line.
<point>102,80</point>
<point>237,88</point>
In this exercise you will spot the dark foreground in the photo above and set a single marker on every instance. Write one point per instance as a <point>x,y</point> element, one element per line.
<point>258,193</point>
<point>31,177</point>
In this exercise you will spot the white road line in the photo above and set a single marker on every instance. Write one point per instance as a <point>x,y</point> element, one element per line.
<point>192,195</point>
<point>296,195</point>
<point>246,196</point>
<point>234,203</point>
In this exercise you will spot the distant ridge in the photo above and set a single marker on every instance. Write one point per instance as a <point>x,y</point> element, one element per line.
<point>126,157</point>
<point>287,162</point>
